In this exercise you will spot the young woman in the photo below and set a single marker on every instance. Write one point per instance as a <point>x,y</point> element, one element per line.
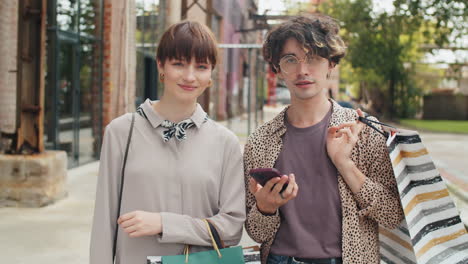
<point>182,167</point>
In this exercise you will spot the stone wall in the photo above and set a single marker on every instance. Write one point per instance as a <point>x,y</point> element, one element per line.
<point>32,180</point>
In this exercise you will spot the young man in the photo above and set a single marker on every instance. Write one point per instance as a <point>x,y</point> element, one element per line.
<point>342,168</point>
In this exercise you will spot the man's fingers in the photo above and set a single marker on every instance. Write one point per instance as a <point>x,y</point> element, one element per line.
<point>253,185</point>
<point>269,185</point>
<point>292,195</point>
<point>332,130</point>
<point>279,185</point>
<point>292,179</point>
<point>295,190</point>
<point>347,124</point>
<point>290,187</point>
<point>360,112</point>
<point>339,134</point>
<point>331,133</point>
<point>288,194</point>
<point>288,191</point>
<point>350,137</point>
<point>356,127</point>
<point>361,125</point>
<point>295,187</point>
<point>344,130</point>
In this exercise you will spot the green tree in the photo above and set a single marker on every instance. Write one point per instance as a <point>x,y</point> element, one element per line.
<point>386,45</point>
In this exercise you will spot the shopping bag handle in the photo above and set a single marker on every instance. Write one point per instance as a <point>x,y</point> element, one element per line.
<point>215,240</point>
<point>211,228</point>
<point>369,122</point>
<point>216,236</point>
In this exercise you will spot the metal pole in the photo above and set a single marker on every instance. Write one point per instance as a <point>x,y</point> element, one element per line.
<point>52,76</point>
<point>101,94</point>
<point>256,88</point>
<point>77,93</point>
<point>76,102</point>
<point>262,117</point>
<point>248,90</point>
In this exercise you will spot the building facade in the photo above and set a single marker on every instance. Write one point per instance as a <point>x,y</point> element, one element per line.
<point>68,69</point>
<point>97,61</point>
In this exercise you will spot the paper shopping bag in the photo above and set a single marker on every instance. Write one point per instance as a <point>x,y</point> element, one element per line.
<point>432,231</point>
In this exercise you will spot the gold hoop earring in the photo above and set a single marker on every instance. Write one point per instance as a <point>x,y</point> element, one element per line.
<point>161,77</point>
<point>210,82</point>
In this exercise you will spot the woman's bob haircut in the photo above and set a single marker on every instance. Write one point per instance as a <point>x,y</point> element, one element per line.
<point>185,40</point>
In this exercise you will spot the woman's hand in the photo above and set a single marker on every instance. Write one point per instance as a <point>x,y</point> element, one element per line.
<point>141,223</point>
<point>269,198</point>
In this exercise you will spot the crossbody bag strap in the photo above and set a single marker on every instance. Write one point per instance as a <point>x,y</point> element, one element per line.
<point>122,177</point>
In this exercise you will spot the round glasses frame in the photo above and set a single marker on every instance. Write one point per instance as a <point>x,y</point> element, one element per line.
<point>291,64</point>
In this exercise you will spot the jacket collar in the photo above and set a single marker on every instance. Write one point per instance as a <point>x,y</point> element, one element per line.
<point>278,125</point>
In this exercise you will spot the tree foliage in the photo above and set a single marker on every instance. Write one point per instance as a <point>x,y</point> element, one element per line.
<point>387,44</point>
<point>384,46</point>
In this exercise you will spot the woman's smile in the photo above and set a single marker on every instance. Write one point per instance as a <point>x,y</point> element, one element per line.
<point>187,87</point>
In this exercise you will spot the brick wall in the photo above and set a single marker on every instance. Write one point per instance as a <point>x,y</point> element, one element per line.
<point>106,69</point>
<point>8,65</point>
<point>119,59</point>
<point>97,86</point>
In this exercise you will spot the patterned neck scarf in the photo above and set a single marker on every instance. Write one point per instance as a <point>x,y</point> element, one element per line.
<point>173,129</point>
<point>176,129</point>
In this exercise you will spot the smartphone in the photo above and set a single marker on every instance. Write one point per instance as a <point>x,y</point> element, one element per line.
<point>263,175</point>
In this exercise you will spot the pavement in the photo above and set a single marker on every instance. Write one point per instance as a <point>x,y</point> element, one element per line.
<point>59,233</point>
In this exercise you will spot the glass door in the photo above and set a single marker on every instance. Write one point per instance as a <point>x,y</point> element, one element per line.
<point>73,107</point>
<point>68,99</point>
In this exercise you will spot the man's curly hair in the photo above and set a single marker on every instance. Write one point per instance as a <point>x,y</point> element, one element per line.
<point>317,33</point>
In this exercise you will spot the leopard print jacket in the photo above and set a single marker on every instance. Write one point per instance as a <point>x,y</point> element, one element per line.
<point>376,203</point>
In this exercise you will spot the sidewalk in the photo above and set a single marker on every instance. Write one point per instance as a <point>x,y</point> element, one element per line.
<point>239,125</point>
<point>54,234</point>
<point>59,233</point>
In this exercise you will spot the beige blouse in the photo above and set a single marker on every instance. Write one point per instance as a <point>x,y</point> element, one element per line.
<point>186,181</point>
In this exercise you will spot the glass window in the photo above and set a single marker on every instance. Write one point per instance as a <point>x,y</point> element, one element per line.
<point>149,25</point>
<point>67,15</point>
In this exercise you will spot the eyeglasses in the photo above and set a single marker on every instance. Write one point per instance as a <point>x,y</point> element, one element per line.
<point>291,64</point>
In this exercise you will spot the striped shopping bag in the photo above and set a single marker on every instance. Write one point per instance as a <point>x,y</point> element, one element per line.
<point>432,231</point>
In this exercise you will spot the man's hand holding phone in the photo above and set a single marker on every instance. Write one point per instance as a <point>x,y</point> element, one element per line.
<point>270,196</point>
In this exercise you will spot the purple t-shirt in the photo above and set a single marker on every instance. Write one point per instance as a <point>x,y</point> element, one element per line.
<point>310,223</point>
